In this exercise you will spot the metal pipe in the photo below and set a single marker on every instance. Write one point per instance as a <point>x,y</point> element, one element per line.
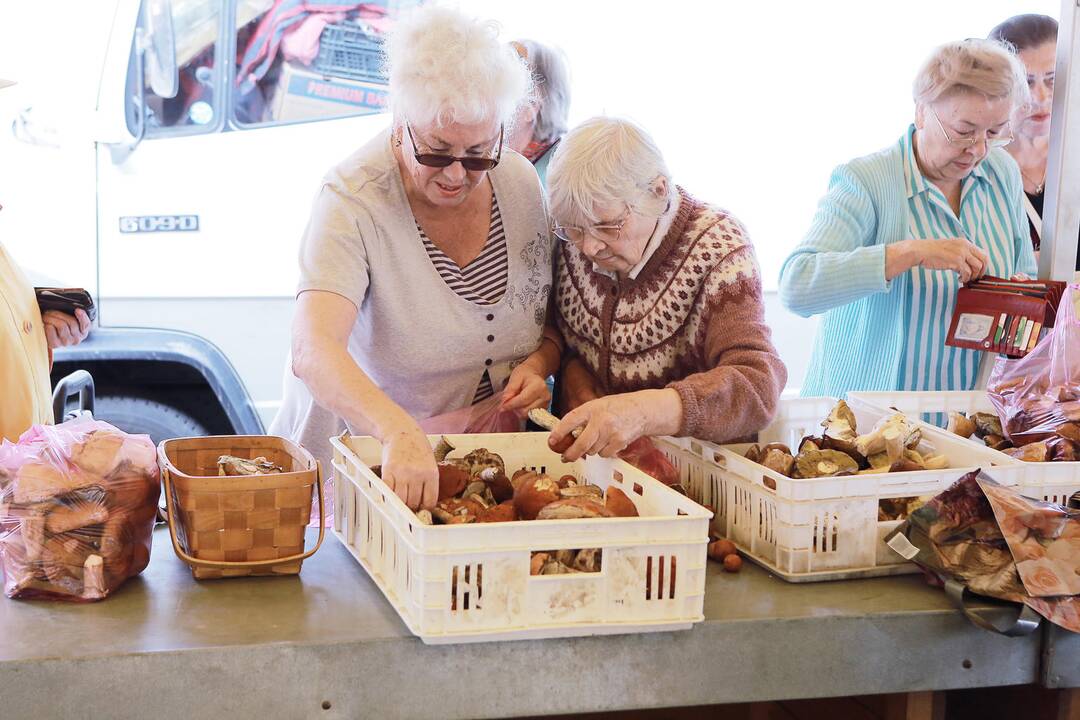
<point>1061,203</point>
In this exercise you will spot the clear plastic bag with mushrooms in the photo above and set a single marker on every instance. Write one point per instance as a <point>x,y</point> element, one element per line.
<point>78,502</point>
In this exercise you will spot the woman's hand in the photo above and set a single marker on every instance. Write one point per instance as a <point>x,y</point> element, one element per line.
<point>526,389</point>
<point>614,421</point>
<point>62,329</point>
<point>408,467</point>
<point>956,254</point>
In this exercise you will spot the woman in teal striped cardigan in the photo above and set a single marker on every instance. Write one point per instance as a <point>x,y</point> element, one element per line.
<point>900,230</point>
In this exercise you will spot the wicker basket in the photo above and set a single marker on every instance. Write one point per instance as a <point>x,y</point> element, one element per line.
<point>239,526</point>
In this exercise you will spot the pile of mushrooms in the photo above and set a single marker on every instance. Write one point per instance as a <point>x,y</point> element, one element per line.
<point>1063,445</point>
<point>892,446</point>
<point>476,489</point>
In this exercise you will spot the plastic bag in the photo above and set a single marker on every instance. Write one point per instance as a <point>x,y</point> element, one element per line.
<point>1038,395</point>
<point>77,508</point>
<point>999,544</point>
<point>646,457</point>
<point>483,417</point>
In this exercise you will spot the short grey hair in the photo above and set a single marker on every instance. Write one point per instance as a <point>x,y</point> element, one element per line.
<point>603,160</point>
<point>986,67</point>
<point>446,67</point>
<point>552,81</point>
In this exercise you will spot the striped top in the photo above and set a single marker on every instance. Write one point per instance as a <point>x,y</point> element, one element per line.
<point>482,281</point>
<point>889,335</point>
<point>928,363</point>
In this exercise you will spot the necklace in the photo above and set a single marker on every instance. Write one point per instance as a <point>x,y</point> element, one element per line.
<point>1038,186</point>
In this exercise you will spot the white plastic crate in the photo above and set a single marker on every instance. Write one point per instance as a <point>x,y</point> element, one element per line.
<point>469,583</point>
<point>1053,482</point>
<point>813,529</point>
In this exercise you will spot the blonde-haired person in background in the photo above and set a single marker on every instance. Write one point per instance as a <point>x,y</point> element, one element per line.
<point>426,265</point>
<point>658,298</point>
<point>900,230</point>
<point>542,122</point>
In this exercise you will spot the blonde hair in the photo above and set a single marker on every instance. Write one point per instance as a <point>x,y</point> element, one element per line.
<point>603,160</point>
<point>979,66</point>
<point>446,67</point>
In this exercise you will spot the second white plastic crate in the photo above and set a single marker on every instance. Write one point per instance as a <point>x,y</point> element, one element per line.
<point>469,583</point>
<point>813,529</point>
<point>1053,482</point>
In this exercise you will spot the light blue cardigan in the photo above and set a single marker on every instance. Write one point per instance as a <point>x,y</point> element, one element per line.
<point>839,269</point>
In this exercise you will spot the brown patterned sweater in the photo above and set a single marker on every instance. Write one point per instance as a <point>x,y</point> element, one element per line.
<point>693,321</point>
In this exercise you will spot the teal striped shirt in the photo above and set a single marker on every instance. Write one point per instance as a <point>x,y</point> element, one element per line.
<point>890,335</point>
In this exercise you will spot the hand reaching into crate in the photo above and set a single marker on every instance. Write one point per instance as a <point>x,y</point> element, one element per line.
<point>408,467</point>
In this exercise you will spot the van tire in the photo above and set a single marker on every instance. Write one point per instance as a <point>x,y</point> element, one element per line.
<point>140,415</point>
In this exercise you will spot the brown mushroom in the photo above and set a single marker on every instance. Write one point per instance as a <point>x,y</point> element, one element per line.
<point>503,512</point>
<point>533,494</point>
<point>587,560</point>
<point>442,449</point>
<point>1032,452</point>
<point>619,504</point>
<point>1069,431</point>
<point>581,491</point>
<point>824,463</point>
<point>986,424</point>
<point>840,425</point>
<point>1063,450</point>
<point>537,561</point>
<point>892,435</point>
<point>960,424</point>
<point>453,477</point>
<point>574,508</point>
<point>779,461</point>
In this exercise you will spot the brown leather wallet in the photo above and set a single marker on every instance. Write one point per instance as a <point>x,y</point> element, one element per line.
<point>1004,316</point>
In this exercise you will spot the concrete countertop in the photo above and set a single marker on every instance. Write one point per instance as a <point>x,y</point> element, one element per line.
<point>327,644</point>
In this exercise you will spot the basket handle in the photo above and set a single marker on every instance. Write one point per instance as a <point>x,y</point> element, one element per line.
<point>246,563</point>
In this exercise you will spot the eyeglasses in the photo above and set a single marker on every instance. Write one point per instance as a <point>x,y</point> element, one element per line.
<point>607,233</point>
<point>439,160</point>
<point>991,142</point>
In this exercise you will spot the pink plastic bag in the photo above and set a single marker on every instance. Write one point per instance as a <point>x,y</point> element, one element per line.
<point>1038,396</point>
<point>646,457</point>
<point>77,508</point>
<point>483,417</point>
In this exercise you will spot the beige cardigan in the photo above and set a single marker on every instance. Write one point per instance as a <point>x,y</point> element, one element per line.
<point>418,340</point>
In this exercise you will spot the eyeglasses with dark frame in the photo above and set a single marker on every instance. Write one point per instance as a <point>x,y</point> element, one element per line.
<point>440,160</point>
<point>991,142</point>
<point>607,233</point>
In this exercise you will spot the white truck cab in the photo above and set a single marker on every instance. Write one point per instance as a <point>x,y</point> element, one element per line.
<point>174,183</point>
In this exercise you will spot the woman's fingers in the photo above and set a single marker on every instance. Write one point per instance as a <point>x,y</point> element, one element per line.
<point>430,494</point>
<point>84,323</point>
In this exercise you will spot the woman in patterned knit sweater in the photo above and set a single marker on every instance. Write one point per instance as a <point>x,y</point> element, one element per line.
<point>658,298</point>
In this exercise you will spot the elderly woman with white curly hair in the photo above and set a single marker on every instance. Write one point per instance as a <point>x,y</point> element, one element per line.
<point>658,298</point>
<point>425,268</point>
<point>900,230</point>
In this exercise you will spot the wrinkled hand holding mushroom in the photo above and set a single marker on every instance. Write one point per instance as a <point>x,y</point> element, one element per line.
<point>1062,446</point>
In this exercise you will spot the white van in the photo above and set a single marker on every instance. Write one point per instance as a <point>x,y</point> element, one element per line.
<point>179,201</point>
